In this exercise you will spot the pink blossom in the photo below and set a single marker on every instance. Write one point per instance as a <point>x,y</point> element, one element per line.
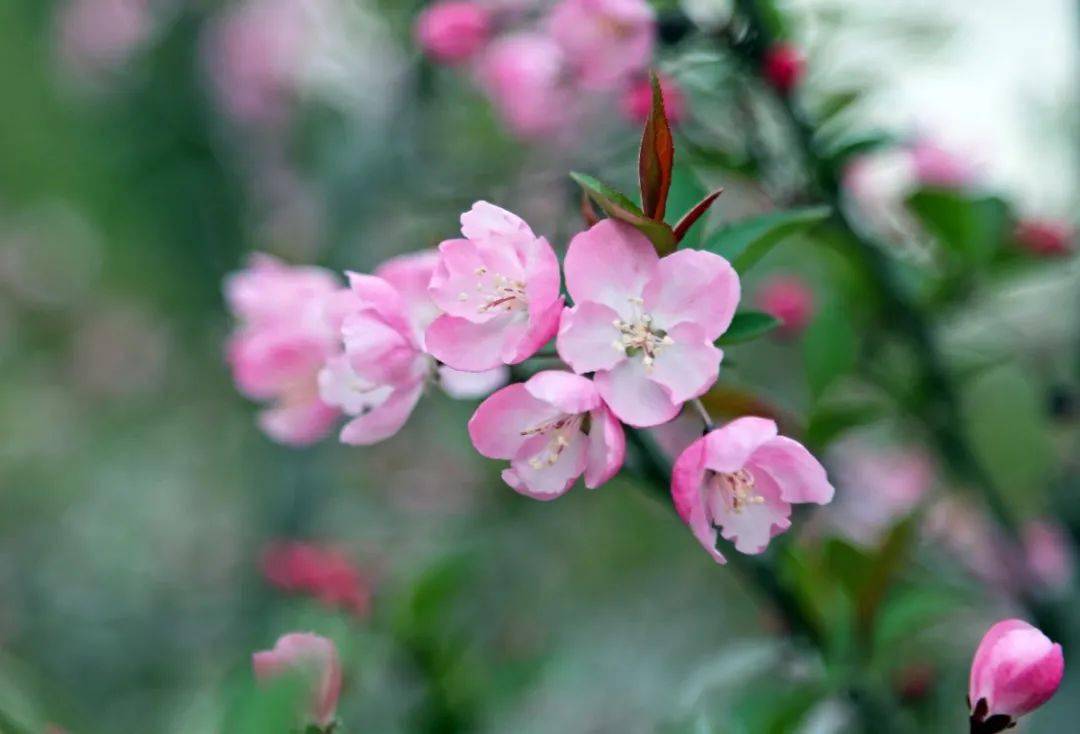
<point>789,299</point>
<point>522,74</point>
<point>743,478</point>
<point>552,428</point>
<point>98,35</point>
<point>606,41</point>
<point>1049,554</point>
<point>323,573</point>
<point>312,656</point>
<point>383,367</point>
<point>281,343</point>
<point>643,324</point>
<point>1045,237</point>
<point>783,67</point>
<point>1016,669</point>
<point>637,100</point>
<point>499,290</point>
<point>936,166</point>
<point>452,31</point>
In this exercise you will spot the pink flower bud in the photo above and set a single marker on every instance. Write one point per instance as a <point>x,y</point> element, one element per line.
<point>453,31</point>
<point>637,100</point>
<point>323,573</point>
<point>1044,237</point>
<point>1016,669</point>
<point>789,299</point>
<point>937,166</point>
<point>310,655</point>
<point>783,67</point>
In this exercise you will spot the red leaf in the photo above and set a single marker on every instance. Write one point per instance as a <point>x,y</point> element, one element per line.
<point>656,157</point>
<point>695,214</point>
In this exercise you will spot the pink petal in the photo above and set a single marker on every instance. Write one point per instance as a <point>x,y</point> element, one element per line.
<point>308,653</point>
<point>381,297</point>
<point>376,350</point>
<point>570,393</point>
<point>542,278</point>
<point>467,346</point>
<point>752,526</point>
<point>729,448</point>
<point>687,368</point>
<point>383,421</point>
<point>607,448</point>
<point>485,221</point>
<point>298,424</point>
<point>454,283</point>
<point>1016,668</point>
<point>550,480</point>
<point>499,427</point>
<point>693,286</point>
<point>537,332</point>
<point>633,397</point>
<point>686,492</point>
<point>468,385</point>
<point>609,263</point>
<point>800,477</point>
<point>587,338</point>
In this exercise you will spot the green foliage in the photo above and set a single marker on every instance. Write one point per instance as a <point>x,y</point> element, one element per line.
<point>971,228</point>
<point>745,242</point>
<point>746,326</point>
<point>617,206</point>
<point>830,347</point>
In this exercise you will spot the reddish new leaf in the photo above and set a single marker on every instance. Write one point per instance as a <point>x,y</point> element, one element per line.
<point>695,214</point>
<point>656,157</point>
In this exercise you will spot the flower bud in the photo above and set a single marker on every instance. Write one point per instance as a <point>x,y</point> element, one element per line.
<point>1044,237</point>
<point>310,655</point>
<point>453,31</point>
<point>636,101</point>
<point>1016,669</point>
<point>783,67</point>
<point>788,299</point>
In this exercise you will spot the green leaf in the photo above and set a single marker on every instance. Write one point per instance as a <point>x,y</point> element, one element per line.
<point>827,422</point>
<point>973,228</point>
<point>829,347</point>
<point>747,325</point>
<point>617,206</point>
<point>656,157</point>
<point>747,241</point>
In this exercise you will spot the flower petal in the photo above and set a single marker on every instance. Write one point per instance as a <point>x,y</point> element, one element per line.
<point>633,397</point>
<point>693,286</point>
<point>485,221</point>
<point>609,263</point>
<point>468,385</point>
<point>467,346</point>
<point>607,448</point>
<point>526,340</point>
<point>689,367</point>
<point>499,427</point>
<point>752,525</point>
<point>383,421</point>
<point>570,393</point>
<point>686,492</point>
<point>455,281</point>
<point>587,338</point>
<point>548,481</point>
<point>732,445</point>
<point>800,477</point>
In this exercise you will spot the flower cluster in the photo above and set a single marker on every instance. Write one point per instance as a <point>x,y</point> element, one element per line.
<point>535,66</point>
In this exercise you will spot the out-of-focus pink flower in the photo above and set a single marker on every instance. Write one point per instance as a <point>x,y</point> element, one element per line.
<point>453,31</point>
<point>936,166</point>
<point>499,290</point>
<point>637,100</point>
<point>281,343</point>
<point>1045,237</point>
<point>523,75</point>
<point>643,324</point>
<point>606,41</point>
<point>878,486</point>
<point>310,655</point>
<point>1015,670</point>
<point>743,478</point>
<point>789,299</point>
<point>783,67</point>
<point>323,573</point>
<point>252,54</point>
<point>98,35</point>
<point>552,428</point>
<point>1049,554</point>
<point>974,541</point>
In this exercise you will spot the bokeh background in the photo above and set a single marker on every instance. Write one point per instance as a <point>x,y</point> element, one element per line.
<point>147,147</point>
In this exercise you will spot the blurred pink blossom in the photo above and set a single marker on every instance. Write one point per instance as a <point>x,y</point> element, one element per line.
<point>552,428</point>
<point>1049,554</point>
<point>311,656</point>
<point>498,289</point>
<point>99,35</point>
<point>606,41</point>
<point>1045,237</point>
<point>972,539</point>
<point>523,75</point>
<point>1016,669</point>
<point>280,344</point>
<point>783,67</point>
<point>643,324</point>
<point>323,573</point>
<point>743,478</point>
<point>453,31</point>
<point>636,101</point>
<point>939,167</point>
<point>789,299</point>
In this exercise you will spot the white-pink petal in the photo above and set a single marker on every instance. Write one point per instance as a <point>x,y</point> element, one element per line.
<point>609,263</point>
<point>633,396</point>
<point>693,286</point>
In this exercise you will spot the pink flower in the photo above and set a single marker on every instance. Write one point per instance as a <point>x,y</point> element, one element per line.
<point>499,289</point>
<point>637,100</point>
<point>453,31</point>
<point>383,367</point>
<point>281,344</point>
<point>1016,669</point>
<point>323,573</point>
<point>605,41</point>
<point>522,74</point>
<point>552,428</point>
<point>789,299</point>
<point>936,166</point>
<point>743,478</point>
<point>1045,237</point>
<point>644,325</point>
<point>783,67</point>
<point>309,655</point>
<point>98,35</point>
<point>1049,554</point>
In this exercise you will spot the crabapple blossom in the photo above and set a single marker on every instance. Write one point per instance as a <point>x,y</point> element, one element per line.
<point>937,166</point>
<point>99,35</point>
<point>1049,554</point>
<point>281,343</point>
<point>644,324</point>
<point>499,291</point>
<point>309,655</point>
<point>1015,670</point>
<point>552,428</point>
<point>636,101</point>
<point>605,41</point>
<point>453,31</point>
<point>1044,237</point>
<point>783,67</point>
<point>324,573</point>
<point>789,299</point>
<point>523,76</point>
<point>743,478</point>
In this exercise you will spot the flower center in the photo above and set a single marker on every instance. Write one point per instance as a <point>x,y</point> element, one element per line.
<point>737,489</point>
<point>559,430</point>
<point>497,292</point>
<point>640,336</point>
